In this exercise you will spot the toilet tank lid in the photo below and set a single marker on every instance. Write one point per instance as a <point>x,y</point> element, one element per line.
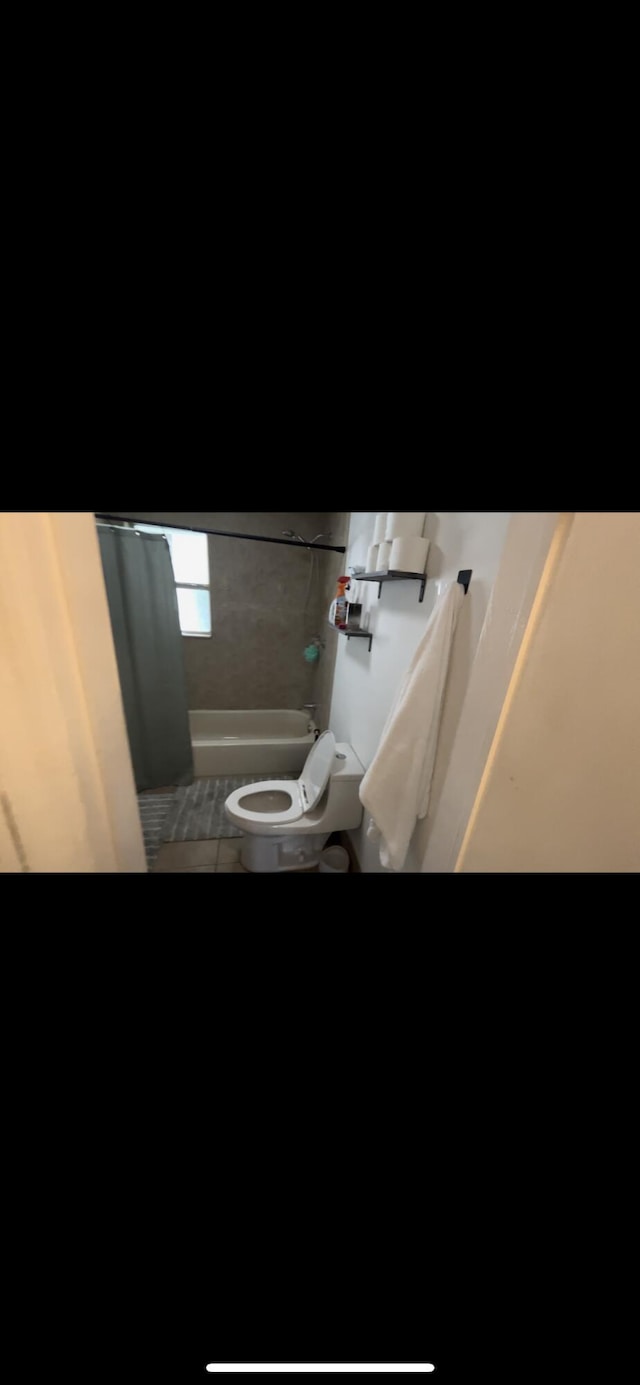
<point>347,765</point>
<point>317,769</point>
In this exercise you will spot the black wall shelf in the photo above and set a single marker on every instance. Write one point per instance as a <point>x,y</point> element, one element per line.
<point>355,634</point>
<point>393,576</point>
<point>464,577</point>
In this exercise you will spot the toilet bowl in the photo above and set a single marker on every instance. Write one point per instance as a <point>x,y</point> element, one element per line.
<point>286,822</point>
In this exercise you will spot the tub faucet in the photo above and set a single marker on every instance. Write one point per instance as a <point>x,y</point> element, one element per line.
<point>310,707</point>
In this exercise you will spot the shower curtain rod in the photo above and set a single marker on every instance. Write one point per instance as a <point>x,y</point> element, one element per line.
<point>220,533</point>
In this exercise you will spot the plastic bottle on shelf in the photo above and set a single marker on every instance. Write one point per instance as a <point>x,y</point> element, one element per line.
<point>338,610</point>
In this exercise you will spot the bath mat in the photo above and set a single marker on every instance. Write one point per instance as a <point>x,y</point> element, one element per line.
<point>153,808</point>
<point>197,812</point>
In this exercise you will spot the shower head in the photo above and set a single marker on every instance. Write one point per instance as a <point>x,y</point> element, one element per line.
<point>289,534</point>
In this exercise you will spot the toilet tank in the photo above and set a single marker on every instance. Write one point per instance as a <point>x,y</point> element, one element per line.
<point>346,777</point>
<point>346,765</point>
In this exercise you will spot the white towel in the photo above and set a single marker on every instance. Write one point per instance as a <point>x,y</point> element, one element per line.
<point>397,785</point>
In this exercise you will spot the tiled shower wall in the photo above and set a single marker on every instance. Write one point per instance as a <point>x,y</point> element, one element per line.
<point>266,606</point>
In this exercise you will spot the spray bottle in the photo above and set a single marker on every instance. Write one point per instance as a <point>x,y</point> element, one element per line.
<point>338,610</point>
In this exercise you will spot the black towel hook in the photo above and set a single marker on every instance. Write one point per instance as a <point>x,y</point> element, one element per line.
<point>464,578</point>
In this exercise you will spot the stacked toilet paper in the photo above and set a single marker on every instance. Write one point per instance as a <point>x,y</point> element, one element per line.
<point>384,554</point>
<point>379,534</point>
<point>398,545</point>
<point>403,526</point>
<point>408,555</point>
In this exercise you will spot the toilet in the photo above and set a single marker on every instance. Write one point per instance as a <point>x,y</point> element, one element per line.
<point>286,822</point>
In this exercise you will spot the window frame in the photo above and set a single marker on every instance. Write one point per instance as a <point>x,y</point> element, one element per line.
<point>195,587</point>
<point>147,528</point>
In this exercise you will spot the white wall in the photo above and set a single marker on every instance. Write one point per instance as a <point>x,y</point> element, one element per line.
<point>561,790</point>
<point>365,684</point>
<point>530,537</point>
<point>67,796</point>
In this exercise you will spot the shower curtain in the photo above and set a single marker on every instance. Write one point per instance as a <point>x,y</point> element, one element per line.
<point>146,631</point>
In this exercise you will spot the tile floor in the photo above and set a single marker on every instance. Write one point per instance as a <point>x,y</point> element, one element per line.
<point>217,856</point>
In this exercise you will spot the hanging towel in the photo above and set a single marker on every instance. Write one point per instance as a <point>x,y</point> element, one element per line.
<point>397,784</point>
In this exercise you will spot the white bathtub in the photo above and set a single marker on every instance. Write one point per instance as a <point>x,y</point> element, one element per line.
<point>250,742</point>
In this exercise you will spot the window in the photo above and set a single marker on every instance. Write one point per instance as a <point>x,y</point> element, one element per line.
<point>190,558</point>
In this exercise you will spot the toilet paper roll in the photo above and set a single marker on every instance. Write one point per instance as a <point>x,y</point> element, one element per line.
<point>408,555</point>
<point>384,553</point>
<point>353,594</point>
<point>404,526</point>
<point>372,558</point>
<point>380,526</point>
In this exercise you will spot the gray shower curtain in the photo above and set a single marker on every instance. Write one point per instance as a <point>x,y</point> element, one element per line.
<point>146,631</point>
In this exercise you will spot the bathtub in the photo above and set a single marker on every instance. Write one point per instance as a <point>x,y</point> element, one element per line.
<point>250,742</point>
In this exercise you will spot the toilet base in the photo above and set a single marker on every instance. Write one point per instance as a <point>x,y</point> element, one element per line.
<point>270,854</point>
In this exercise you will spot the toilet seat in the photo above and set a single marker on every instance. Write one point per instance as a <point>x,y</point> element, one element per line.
<point>304,792</point>
<point>290,787</point>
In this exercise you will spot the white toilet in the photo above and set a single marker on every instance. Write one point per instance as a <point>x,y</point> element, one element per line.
<point>285,822</point>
